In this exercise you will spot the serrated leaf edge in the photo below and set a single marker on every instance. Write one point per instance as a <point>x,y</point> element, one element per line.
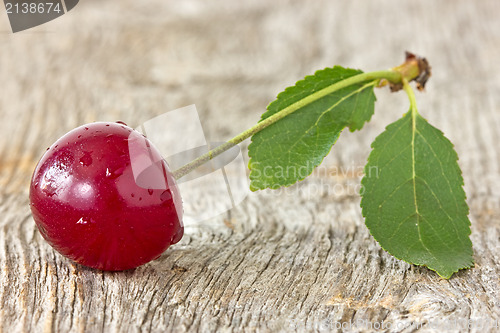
<point>307,78</point>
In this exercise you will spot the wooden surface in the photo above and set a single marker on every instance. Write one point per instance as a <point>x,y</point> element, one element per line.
<point>299,259</point>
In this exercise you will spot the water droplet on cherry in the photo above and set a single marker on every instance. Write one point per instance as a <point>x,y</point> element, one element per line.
<point>86,159</point>
<point>166,195</point>
<point>49,190</point>
<point>115,173</point>
<point>84,220</point>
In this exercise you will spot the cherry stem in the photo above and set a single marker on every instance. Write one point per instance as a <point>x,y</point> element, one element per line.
<point>407,71</point>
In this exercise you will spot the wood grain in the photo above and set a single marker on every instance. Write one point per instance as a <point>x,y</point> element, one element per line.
<point>300,259</point>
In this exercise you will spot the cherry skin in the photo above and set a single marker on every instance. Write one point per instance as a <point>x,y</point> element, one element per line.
<point>103,196</point>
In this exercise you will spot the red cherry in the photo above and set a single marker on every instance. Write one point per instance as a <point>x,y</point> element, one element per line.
<point>103,196</point>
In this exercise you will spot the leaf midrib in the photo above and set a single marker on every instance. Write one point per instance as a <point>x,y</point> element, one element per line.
<point>413,179</point>
<point>414,114</point>
<point>354,92</point>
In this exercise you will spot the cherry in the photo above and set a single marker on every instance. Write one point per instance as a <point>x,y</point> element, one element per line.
<point>103,196</point>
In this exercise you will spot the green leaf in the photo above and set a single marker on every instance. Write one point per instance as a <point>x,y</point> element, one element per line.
<point>412,197</point>
<point>289,150</point>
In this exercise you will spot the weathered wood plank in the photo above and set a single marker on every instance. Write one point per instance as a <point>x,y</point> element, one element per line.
<point>298,259</point>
